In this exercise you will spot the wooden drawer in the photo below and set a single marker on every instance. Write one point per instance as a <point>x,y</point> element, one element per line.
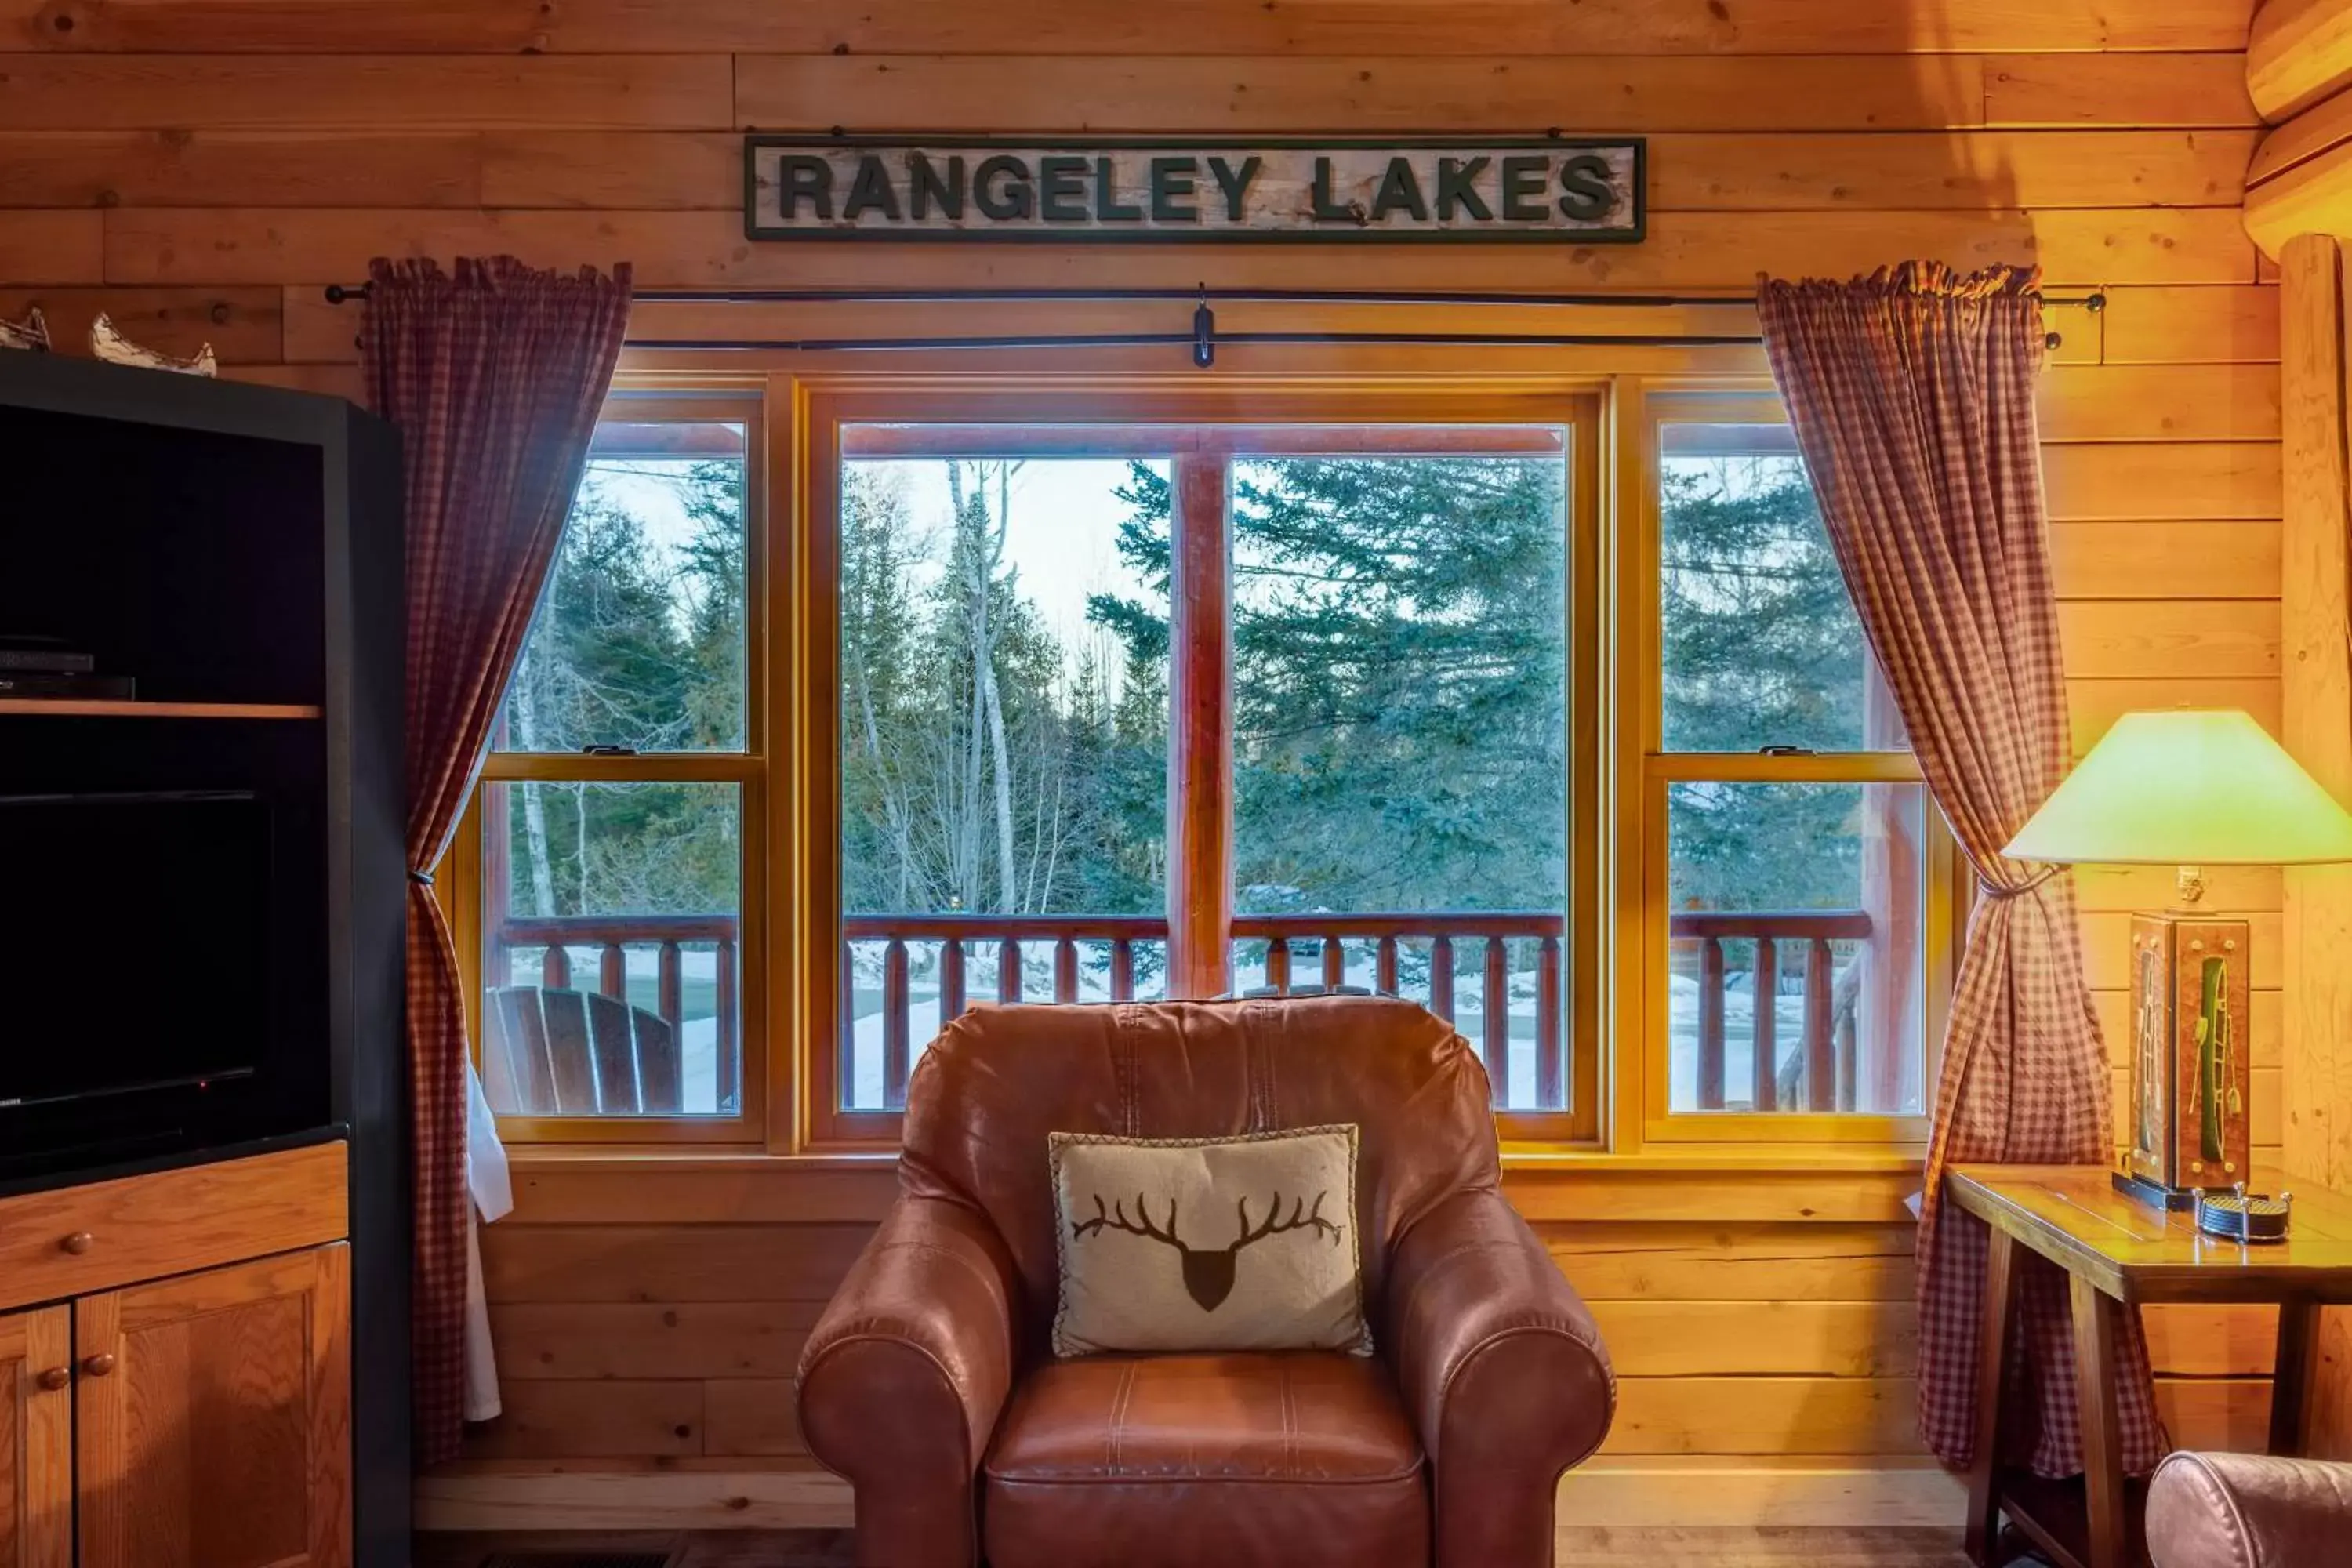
<point>76,1240</point>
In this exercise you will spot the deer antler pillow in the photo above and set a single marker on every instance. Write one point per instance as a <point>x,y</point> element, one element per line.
<point>1208,1244</point>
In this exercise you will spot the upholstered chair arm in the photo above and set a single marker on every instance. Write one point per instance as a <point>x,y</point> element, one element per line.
<point>1503,1373</point>
<point>904,1375</point>
<point>2248,1510</point>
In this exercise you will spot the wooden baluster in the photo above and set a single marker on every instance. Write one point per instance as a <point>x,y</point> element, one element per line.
<point>950,981</point>
<point>1122,970</point>
<point>613,972</point>
<point>1441,977</point>
<point>1710,1023</point>
<point>1066,970</point>
<point>730,1058</point>
<point>1008,971</point>
<point>1847,1067</point>
<point>1821,1059</point>
<point>555,968</point>
<point>1495,1014</point>
<point>501,964</point>
<point>845,1083</point>
<point>1277,965</point>
<point>1765,987</point>
<point>1550,1091</point>
<point>895,1005</point>
<point>670,989</point>
<point>1384,966</point>
<point>1335,963</point>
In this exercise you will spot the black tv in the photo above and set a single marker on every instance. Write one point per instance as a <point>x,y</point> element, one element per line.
<point>153,996</point>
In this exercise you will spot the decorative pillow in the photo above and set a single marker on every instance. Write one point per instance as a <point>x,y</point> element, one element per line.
<point>1208,1244</point>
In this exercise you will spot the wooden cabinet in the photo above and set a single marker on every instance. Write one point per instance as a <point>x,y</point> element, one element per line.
<point>212,1418</point>
<point>198,1420</point>
<point>37,1480</point>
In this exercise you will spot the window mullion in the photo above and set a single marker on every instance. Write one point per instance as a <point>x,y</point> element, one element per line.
<point>1200,731</point>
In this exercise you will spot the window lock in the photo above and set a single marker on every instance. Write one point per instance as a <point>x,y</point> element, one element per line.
<point>608,751</point>
<point>1787,751</point>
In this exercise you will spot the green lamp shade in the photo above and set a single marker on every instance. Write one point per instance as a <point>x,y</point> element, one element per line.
<point>2187,787</point>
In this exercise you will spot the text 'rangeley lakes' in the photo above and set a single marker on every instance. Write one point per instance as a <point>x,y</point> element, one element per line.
<point>1578,190</point>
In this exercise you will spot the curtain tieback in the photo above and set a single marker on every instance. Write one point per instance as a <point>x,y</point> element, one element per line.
<point>422,879</point>
<point>2000,894</point>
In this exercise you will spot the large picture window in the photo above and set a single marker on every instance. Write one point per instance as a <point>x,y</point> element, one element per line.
<point>1186,708</point>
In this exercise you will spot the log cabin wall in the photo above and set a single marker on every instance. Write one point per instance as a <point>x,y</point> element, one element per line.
<point>200,170</point>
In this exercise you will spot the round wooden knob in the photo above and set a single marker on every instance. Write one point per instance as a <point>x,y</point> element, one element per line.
<point>55,1378</point>
<point>78,1242</point>
<point>99,1364</point>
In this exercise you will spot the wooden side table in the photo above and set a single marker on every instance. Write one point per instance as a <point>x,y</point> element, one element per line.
<point>2117,1254</point>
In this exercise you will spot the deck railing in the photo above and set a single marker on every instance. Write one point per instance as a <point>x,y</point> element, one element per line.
<point>1821,1078</point>
<point>1286,952</point>
<point>611,936</point>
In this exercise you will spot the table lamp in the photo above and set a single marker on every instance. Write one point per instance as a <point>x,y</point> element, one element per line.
<point>2188,788</point>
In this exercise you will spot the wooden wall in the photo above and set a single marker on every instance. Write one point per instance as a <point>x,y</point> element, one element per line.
<point>200,170</point>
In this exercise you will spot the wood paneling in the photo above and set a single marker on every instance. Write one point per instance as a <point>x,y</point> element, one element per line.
<point>37,1479</point>
<point>199,170</point>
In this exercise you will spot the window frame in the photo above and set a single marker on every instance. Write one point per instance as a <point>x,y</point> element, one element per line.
<point>1646,770</point>
<point>464,873</point>
<point>822,406</point>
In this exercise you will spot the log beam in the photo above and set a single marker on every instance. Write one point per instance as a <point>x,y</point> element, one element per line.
<point>2298,52</point>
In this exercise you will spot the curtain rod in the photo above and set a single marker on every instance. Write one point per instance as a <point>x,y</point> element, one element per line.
<point>1204,338</point>
<point>337,293</point>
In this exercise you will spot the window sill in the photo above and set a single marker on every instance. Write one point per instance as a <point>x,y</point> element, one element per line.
<point>583,1184</point>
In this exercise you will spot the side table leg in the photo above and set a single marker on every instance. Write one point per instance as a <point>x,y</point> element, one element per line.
<point>2298,1349</point>
<point>1992,1360</point>
<point>2098,1325</point>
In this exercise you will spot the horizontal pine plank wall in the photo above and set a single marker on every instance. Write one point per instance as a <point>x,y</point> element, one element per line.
<point>200,170</point>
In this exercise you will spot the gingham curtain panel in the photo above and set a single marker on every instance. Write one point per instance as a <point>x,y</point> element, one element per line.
<point>1911,393</point>
<point>493,375</point>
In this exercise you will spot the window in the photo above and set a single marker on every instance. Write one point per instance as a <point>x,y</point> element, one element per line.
<point>1171,709</point>
<point>619,817</point>
<point>1793,863</point>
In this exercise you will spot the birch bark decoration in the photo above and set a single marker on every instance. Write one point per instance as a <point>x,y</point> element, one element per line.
<point>111,345</point>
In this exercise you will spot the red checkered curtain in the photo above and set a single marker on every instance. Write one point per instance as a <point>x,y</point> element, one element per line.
<point>1911,393</point>
<point>493,375</point>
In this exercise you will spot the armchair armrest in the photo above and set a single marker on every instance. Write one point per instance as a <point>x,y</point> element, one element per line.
<point>1503,1371</point>
<point>903,1377</point>
<point>2247,1511</point>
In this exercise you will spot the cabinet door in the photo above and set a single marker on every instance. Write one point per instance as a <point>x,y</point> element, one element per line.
<point>36,1440</point>
<point>214,1417</point>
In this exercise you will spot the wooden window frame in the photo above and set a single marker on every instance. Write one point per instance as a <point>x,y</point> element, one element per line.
<point>1644,772</point>
<point>1200,858</point>
<point>462,883</point>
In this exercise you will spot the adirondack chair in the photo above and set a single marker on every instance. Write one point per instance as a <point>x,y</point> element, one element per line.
<point>550,1052</point>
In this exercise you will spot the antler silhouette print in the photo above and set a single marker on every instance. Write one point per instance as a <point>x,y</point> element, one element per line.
<point>1301,1218</point>
<point>1209,1270</point>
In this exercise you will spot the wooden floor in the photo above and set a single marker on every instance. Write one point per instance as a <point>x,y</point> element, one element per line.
<point>1578,1548</point>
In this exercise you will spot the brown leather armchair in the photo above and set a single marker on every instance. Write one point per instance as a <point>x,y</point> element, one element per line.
<point>2249,1511</point>
<point>927,1382</point>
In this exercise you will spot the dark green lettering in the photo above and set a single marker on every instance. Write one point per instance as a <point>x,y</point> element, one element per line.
<point>1172,183</point>
<point>1456,186</point>
<point>1010,198</point>
<point>1523,182</point>
<point>1398,190</point>
<point>1326,210</point>
<point>1587,194</point>
<point>1235,184</point>
<point>927,188</point>
<point>1106,204</point>
<point>1061,189</point>
<point>871,189</point>
<point>801,174</point>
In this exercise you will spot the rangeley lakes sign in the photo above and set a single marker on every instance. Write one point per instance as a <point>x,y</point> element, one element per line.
<point>1579,191</point>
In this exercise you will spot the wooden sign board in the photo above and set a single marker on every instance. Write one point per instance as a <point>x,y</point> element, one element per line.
<point>1571,190</point>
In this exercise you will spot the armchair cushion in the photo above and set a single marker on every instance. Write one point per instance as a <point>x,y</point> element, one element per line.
<point>1237,1461</point>
<point>2248,1510</point>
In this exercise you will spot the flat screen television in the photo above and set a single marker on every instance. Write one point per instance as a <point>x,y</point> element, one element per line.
<point>144,1005</point>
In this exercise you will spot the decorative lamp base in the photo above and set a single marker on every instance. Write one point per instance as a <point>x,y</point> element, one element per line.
<point>2154,1194</point>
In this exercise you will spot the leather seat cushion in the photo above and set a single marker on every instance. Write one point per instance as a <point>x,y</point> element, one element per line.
<point>1271,1457</point>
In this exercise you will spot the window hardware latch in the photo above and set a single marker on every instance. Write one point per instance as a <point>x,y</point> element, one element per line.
<point>1786,752</point>
<point>608,751</point>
